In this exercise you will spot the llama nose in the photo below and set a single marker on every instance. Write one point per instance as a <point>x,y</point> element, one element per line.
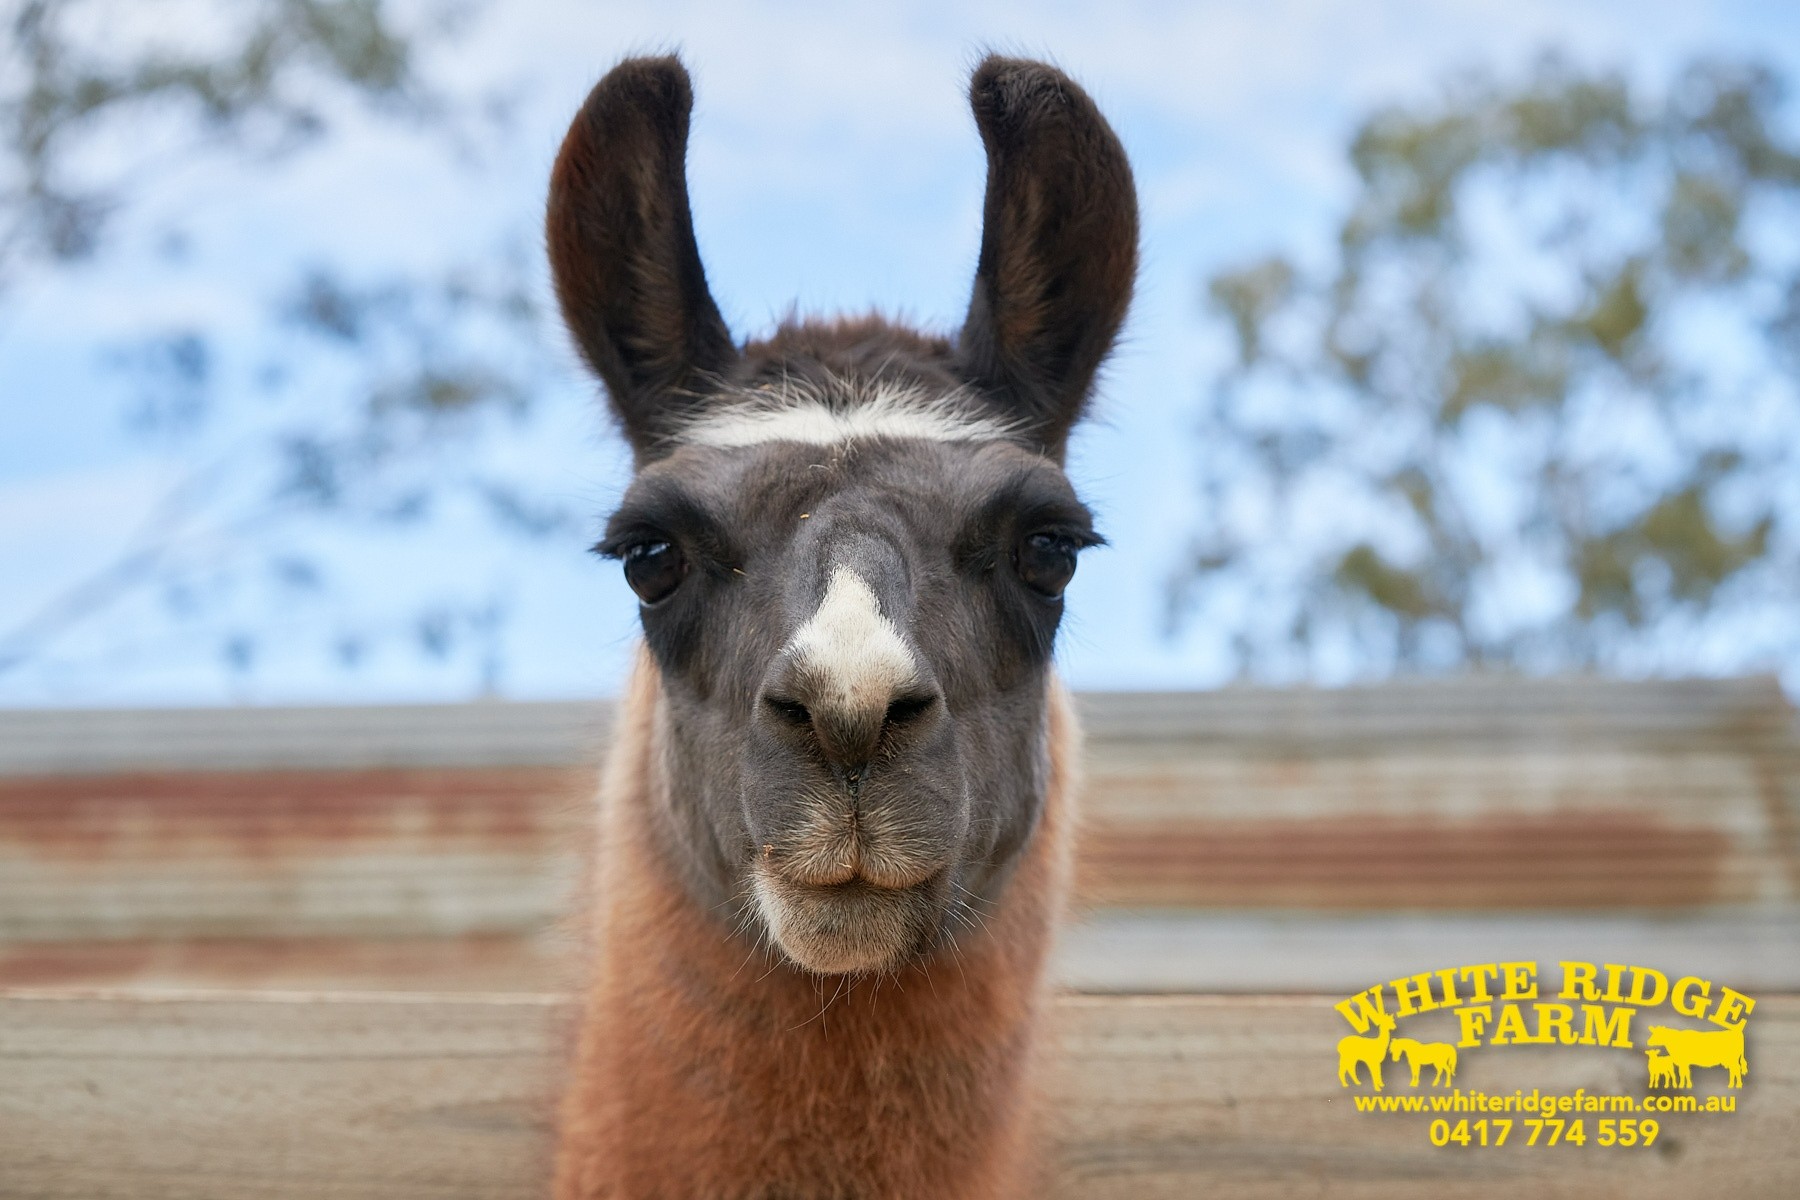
<point>850,735</point>
<point>853,679</point>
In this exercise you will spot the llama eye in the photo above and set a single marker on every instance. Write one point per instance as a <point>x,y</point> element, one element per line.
<point>654,570</point>
<point>1046,562</point>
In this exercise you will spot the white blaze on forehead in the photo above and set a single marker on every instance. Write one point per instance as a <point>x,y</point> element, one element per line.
<point>851,410</point>
<point>850,647</point>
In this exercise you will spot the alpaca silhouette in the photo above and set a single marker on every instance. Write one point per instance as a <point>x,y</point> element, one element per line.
<point>1368,1050</point>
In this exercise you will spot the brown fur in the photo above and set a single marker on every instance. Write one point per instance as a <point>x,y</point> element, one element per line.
<point>706,1068</point>
<point>638,306</point>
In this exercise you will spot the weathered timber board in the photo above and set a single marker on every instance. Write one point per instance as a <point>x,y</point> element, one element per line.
<point>1492,711</point>
<point>449,852</point>
<point>434,852</point>
<point>1106,951</point>
<point>471,820</point>
<point>548,962</point>
<point>1607,829</point>
<point>267,1097</point>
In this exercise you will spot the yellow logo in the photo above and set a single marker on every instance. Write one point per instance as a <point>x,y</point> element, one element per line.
<point>1700,1028</point>
<point>1498,1004</point>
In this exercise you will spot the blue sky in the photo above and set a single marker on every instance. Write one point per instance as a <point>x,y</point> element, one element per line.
<point>834,166</point>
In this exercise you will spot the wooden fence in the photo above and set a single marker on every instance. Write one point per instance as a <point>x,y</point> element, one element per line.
<point>371,1097</point>
<point>365,880</point>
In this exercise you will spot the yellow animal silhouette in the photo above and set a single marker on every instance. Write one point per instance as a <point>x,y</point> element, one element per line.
<point>1662,1069</point>
<point>1439,1056</point>
<point>1697,1048</point>
<point>1367,1050</point>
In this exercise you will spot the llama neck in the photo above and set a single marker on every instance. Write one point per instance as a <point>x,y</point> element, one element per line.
<point>709,1066</point>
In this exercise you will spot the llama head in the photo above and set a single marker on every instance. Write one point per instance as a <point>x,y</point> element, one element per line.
<point>850,541</point>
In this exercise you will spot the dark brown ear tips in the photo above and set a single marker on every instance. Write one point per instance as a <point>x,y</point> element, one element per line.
<point>1009,94</point>
<point>622,253</point>
<point>1058,248</point>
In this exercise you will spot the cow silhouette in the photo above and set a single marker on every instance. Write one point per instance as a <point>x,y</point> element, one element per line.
<point>1690,1048</point>
<point>1440,1056</point>
<point>1662,1069</point>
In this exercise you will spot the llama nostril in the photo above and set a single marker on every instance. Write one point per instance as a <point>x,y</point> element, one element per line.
<point>849,735</point>
<point>902,709</point>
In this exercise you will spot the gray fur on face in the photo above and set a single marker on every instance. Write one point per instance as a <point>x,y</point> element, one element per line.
<point>835,809</point>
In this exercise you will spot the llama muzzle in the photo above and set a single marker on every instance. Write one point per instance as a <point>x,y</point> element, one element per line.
<point>849,928</point>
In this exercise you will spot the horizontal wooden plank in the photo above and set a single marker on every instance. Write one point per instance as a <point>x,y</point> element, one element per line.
<point>1194,1096</point>
<point>1459,712</point>
<point>327,737</point>
<point>273,1097</point>
<point>1492,860</point>
<point>494,893</point>
<point>1454,713</point>
<point>457,853</point>
<point>1105,951</point>
<point>369,853</point>
<point>1471,795</point>
<point>550,961</point>
<point>1341,953</point>
<point>304,1095</point>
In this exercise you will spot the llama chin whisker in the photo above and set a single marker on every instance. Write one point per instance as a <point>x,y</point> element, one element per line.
<point>969,896</point>
<point>956,956</point>
<point>818,1016</point>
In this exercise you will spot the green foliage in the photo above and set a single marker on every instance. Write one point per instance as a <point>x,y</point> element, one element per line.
<point>1540,409</point>
<point>70,80</point>
<point>366,399</point>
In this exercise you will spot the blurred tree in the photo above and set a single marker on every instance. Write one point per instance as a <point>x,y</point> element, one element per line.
<point>1538,410</point>
<point>99,99</point>
<point>79,68</point>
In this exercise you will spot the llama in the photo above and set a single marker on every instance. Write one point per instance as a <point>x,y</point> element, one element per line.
<point>1367,1050</point>
<point>835,824</point>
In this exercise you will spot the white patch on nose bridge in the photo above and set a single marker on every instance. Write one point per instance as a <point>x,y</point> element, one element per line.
<point>849,409</point>
<point>851,647</point>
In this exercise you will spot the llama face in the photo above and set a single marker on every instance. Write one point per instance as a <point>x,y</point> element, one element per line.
<point>850,541</point>
<point>855,659</point>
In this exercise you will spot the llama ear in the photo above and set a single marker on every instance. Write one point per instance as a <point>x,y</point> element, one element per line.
<point>621,240</point>
<point>1058,246</point>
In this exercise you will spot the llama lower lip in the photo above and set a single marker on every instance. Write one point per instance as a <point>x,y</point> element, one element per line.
<point>846,928</point>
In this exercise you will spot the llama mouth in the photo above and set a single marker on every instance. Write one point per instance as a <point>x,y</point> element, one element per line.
<point>848,928</point>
